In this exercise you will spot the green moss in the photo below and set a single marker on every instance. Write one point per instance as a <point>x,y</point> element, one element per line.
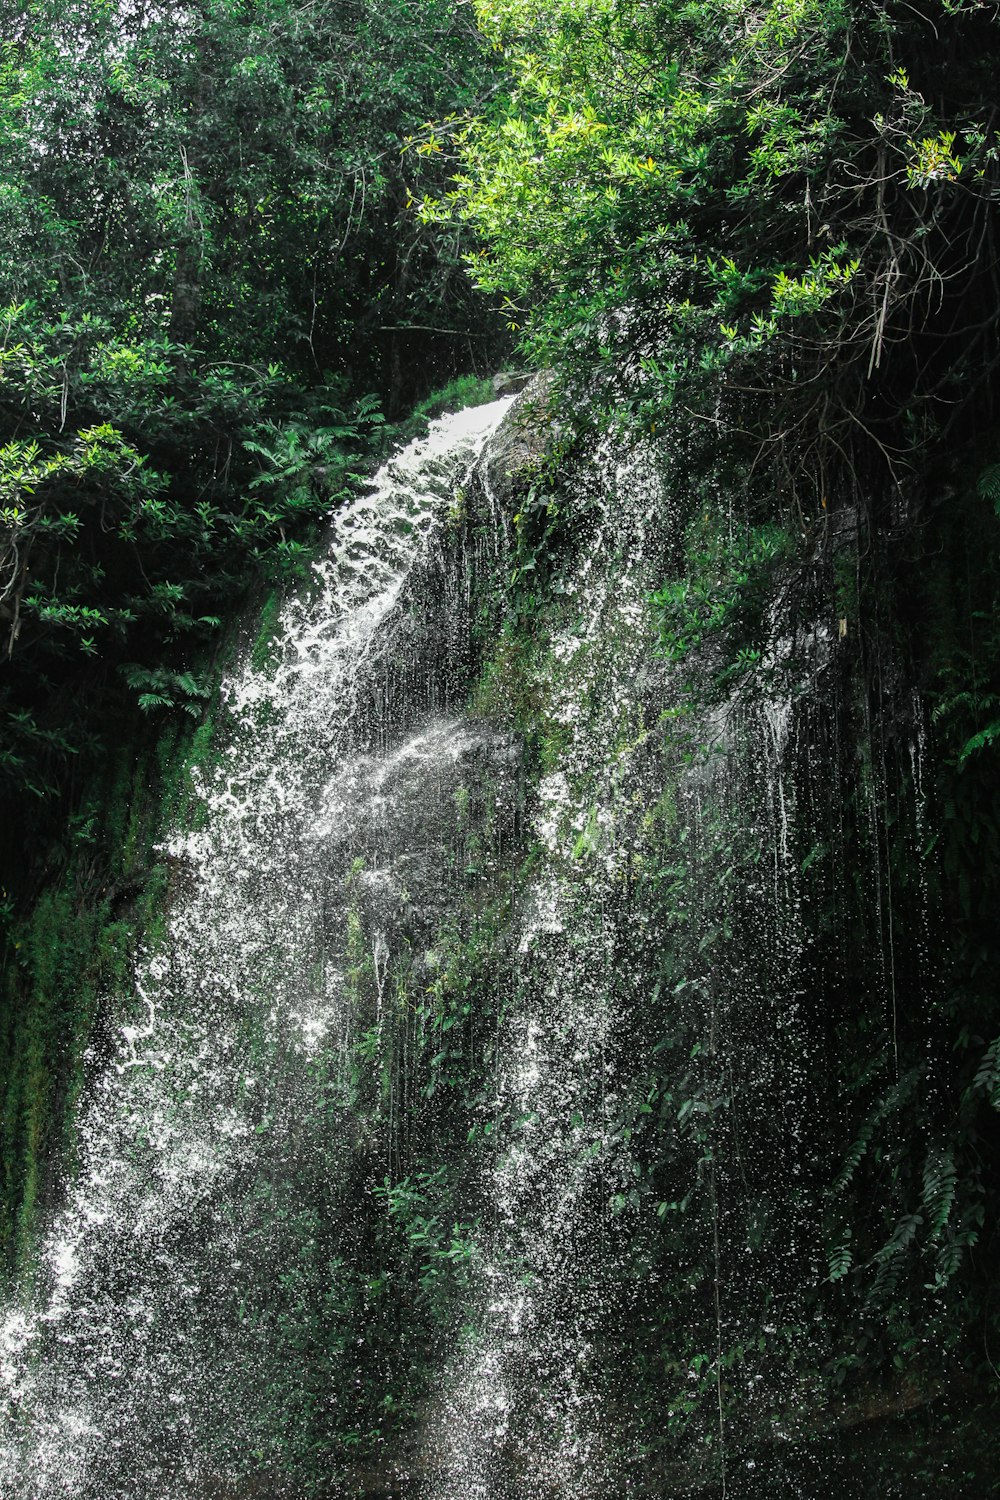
<point>263,654</point>
<point>71,951</point>
<point>726,582</point>
<point>466,390</point>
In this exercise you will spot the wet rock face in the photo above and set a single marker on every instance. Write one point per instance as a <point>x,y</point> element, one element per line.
<point>511,382</point>
<point>303,1164</point>
<point>519,446</point>
<point>401,831</point>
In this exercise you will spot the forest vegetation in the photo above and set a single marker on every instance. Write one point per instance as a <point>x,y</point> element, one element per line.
<point>243,240</point>
<point>214,287</point>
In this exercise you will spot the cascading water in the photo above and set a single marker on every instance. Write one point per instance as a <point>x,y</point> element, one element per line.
<point>459,1140</point>
<point>114,1378</point>
<point>521,1413</point>
<point>534,1406</point>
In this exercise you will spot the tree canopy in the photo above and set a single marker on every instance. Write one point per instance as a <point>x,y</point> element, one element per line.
<point>790,207</point>
<point>213,282</point>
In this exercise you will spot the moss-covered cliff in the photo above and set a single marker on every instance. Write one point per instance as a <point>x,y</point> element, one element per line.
<point>584,1077</point>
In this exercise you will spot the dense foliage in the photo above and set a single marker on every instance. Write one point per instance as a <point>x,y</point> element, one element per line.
<point>762,243</point>
<point>790,209</point>
<point>213,282</point>
<point>214,289</point>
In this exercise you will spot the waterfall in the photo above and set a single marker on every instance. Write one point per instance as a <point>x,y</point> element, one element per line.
<point>112,1378</point>
<point>521,1411</point>
<point>461,1137</point>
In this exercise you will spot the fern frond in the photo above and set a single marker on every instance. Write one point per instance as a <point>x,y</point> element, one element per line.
<point>947,1262</point>
<point>841,1258</point>
<point>988,485</point>
<point>981,740</point>
<point>940,1185</point>
<point>855,1155</point>
<point>987,1079</point>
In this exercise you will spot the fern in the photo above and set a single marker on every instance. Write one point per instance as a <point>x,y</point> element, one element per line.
<point>950,1255</point>
<point>988,485</point>
<point>940,1185</point>
<point>948,1260</point>
<point>883,1109</point>
<point>987,1079</point>
<point>981,740</point>
<point>841,1258</point>
<point>160,688</point>
<point>855,1155</point>
<point>368,409</point>
<point>902,1236</point>
<point>891,1257</point>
